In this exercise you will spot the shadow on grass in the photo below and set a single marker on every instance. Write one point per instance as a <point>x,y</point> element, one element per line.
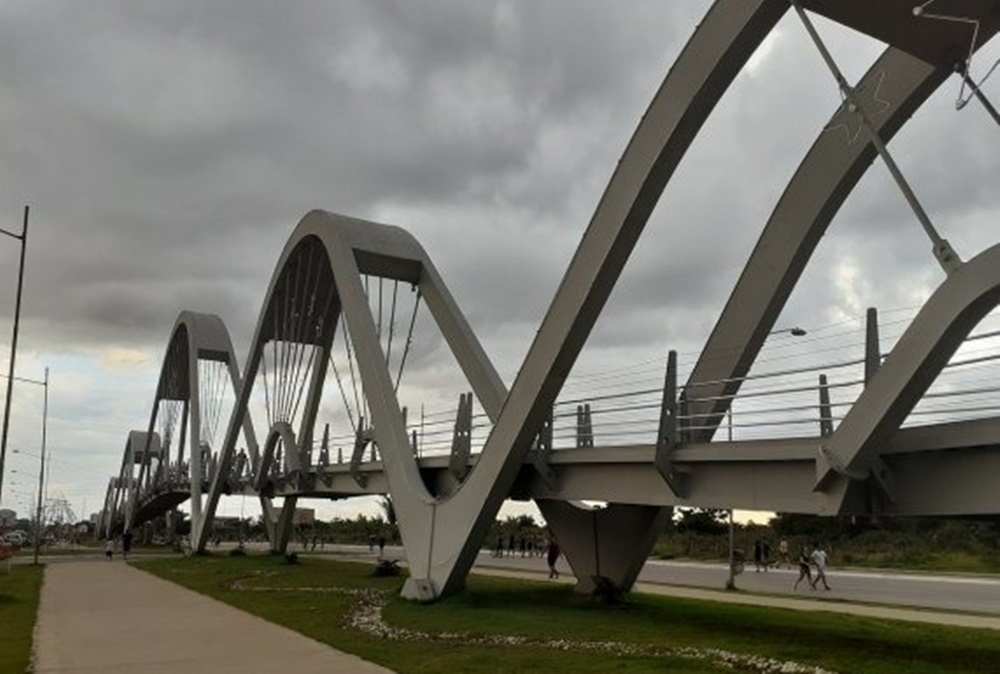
<point>310,597</point>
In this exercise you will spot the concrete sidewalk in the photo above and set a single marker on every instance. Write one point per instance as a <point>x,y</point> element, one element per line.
<point>100,616</point>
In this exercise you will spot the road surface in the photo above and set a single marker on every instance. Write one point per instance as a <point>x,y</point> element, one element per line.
<point>976,594</point>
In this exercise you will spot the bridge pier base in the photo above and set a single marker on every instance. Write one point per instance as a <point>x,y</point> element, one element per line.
<point>612,542</point>
<point>283,527</point>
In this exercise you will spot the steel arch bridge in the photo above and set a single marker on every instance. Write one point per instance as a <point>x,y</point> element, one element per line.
<point>320,289</point>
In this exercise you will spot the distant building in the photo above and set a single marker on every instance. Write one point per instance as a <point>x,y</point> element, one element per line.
<point>304,516</point>
<point>8,518</point>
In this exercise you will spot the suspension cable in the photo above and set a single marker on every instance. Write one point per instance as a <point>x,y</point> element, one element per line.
<point>409,341</point>
<point>267,397</point>
<point>295,344</point>
<point>946,257</point>
<point>320,320</point>
<point>305,316</point>
<point>392,321</point>
<point>350,363</point>
<point>343,394</point>
<point>378,327</point>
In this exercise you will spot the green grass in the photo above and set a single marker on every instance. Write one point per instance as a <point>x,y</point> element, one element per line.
<point>19,592</point>
<point>537,614</point>
<point>935,562</point>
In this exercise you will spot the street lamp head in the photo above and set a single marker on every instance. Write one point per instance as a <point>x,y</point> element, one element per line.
<point>794,332</point>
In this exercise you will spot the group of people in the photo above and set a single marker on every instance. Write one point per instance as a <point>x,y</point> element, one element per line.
<point>762,555</point>
<point>808,561</point>
<point>529,548</point>
<point>526,545</point>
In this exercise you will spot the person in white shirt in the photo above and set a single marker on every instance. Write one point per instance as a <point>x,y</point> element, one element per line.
<point>818,557</point>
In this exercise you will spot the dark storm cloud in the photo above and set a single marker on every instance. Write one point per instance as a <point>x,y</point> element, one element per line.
<point>149,136</point>
<point>169,149</point>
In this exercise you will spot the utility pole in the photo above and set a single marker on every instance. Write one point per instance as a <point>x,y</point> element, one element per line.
<point>41,469</point>
<point>23,238</point>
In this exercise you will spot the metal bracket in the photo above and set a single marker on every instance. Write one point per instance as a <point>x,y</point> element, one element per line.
<point>825,411</point>
<point>667,437</point>
<point>828,465</point>
<point>873,354</point>
<point>584,426</point>
<point>324,458</point>
<point>540,454</point>
<point>361,440</point>
<point>461,441</point>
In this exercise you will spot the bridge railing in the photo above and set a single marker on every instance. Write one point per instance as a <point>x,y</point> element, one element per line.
<point>779,398</point>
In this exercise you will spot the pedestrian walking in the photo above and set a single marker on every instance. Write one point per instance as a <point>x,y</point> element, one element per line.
<point>819,560</point>
<point>552,556</point>
<point>783,553</point>
<point>109,549</point>
<point>126,544</point>
<point>804,570</point>
<point>758,554</point>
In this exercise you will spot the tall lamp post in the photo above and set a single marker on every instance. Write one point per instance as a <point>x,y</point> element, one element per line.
<point>23,238</point>
<point>731,581</point>
<point>41,468</point>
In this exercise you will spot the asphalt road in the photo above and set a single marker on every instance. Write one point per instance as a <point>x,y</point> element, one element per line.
<point>975,594</point>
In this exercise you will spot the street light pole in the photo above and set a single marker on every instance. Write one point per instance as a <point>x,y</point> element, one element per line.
<point>41,468</point>
<point>23,238</point>
<point>795,331</point>
<point>731,583</point>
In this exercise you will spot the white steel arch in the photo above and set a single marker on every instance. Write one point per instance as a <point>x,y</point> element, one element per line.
<point>195,337</point>
<point>317,282</point>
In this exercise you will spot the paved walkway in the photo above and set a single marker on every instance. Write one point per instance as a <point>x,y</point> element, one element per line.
<point>106,617</point>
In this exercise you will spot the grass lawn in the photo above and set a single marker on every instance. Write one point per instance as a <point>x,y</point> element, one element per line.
<point>19,592</point>
<point>505,625</point>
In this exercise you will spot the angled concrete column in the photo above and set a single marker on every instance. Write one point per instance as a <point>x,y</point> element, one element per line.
<point>611,542</point>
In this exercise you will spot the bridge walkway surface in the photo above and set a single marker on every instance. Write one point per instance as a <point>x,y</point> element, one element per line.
<point>101,616</point>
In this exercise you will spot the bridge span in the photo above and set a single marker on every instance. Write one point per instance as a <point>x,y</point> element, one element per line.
<point>327,336</point>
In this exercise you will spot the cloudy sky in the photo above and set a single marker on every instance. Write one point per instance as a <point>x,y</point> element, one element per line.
<point>168,149</point>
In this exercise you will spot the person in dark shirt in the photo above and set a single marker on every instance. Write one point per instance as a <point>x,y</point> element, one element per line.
<point>552,556</point>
